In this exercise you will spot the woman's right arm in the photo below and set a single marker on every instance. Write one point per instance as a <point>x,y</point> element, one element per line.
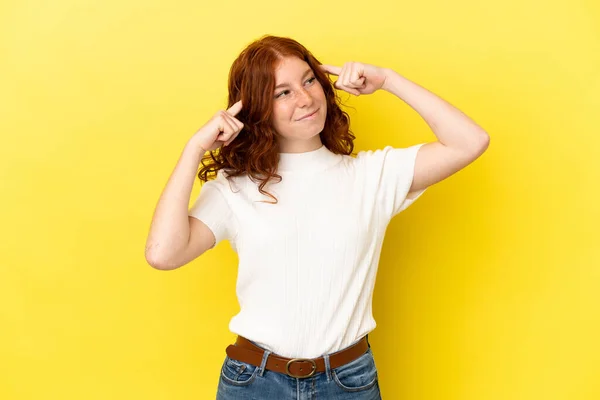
<point>175,238</point>
<point>169,239</point>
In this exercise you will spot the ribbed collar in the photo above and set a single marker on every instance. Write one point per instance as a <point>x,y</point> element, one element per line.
<point>309,161</point>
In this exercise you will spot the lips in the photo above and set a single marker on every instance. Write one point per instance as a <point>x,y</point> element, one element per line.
<point>308,115</point>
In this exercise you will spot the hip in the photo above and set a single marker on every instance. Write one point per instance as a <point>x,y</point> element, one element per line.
<point>255,372</point>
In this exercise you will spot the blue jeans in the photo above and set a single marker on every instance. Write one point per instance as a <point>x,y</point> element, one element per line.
<point>356,380</point>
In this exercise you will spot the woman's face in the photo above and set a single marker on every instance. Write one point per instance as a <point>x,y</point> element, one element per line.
<point>297,94</point>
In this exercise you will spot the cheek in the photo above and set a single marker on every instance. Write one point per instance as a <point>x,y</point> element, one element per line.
<point>320,94</point>
<point>282,112</point>
<point>280,118</point>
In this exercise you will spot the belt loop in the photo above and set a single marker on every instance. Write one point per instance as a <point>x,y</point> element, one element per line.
<point>327,367</point>
<point>263,363</point>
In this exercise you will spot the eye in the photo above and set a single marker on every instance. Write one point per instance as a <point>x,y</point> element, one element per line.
<point>310,81</point>
<point>281,94</point>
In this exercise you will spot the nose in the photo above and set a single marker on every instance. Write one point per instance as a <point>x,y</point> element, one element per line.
<point>304,98</point>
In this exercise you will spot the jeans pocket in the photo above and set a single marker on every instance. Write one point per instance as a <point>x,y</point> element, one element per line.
<point>238,373</point>
<point>357,375</point>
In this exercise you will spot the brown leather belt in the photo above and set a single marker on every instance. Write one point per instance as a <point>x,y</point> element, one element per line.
<point>246,351</point>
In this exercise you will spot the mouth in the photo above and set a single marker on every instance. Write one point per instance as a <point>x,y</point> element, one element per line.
<point>309,116</point>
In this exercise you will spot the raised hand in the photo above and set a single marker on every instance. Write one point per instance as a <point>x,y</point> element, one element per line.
<point>357,78</point>
<point>221,129</point>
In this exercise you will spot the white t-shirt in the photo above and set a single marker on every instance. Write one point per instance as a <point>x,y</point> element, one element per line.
<point>307,265</point>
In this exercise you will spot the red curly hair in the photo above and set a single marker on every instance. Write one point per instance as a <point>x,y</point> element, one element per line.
<point>255,151</point>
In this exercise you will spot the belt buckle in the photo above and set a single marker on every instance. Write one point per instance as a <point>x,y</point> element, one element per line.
<point>287,367</point>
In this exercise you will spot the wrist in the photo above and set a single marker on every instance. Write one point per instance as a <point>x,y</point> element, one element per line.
<point>389,76</point>
<point>196,148</point>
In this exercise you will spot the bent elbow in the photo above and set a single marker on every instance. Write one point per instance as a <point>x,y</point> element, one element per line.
<point>484,142</point>
<point>158,263</point>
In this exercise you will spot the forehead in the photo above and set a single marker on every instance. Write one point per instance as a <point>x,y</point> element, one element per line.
<point>290,68</point>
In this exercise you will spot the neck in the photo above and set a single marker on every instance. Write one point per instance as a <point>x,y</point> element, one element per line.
<point>299,146</point>
<point>307,161</point>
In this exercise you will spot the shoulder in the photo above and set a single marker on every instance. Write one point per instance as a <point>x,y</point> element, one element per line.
<point>386,151</point>
<point>364,159</point>
<point>387,155</point>
<point>232,187</point>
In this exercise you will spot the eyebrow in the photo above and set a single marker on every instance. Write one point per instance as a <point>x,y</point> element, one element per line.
<point>303,75</point>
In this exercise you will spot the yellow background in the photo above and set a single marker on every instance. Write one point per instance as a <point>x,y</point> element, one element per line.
<point>487,287</point>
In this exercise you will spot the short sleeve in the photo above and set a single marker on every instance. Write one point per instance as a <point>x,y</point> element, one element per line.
<point>393,169</point>
<point>212,208</point>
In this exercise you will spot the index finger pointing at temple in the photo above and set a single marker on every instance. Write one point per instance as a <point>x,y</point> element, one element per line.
<point>330,69</point>
<point>234,109</point>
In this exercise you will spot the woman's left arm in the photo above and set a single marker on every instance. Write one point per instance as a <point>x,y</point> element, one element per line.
<point>460,140</point>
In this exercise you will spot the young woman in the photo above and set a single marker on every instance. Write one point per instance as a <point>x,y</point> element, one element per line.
<point>305,217</point>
